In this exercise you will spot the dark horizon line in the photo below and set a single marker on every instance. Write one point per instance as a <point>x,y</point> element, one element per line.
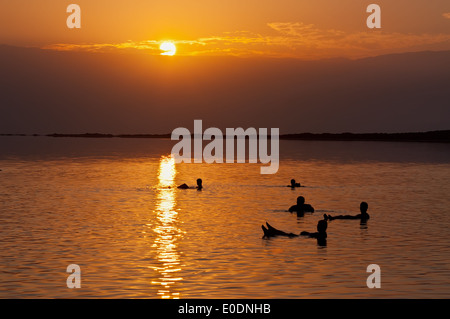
<point>440,136</point>
<point>43,48</point>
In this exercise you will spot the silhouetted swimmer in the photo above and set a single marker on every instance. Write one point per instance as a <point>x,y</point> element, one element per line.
<point>301,207</point>
<point>320,235</point>
<point>199,185</point>
<point>294,184</point>
<point>363,216</point>
<point>322,226</point>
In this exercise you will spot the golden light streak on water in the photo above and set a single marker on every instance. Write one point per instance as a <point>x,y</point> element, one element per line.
<point>167,231</point>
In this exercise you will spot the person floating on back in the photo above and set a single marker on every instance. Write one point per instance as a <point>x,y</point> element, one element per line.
<point>294,184</point>
<point>301,207</point>
<point>363,216</point>
<point>321,233</point>
<point>199,185</point>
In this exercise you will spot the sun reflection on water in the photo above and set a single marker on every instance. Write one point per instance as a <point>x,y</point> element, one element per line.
<point>167,231</point>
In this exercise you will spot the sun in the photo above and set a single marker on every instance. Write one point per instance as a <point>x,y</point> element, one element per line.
<point>168,48</point>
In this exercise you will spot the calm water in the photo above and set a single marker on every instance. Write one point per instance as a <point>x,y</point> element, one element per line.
<point>106,205</point>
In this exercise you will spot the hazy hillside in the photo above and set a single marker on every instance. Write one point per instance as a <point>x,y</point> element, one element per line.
<point>46,91</point>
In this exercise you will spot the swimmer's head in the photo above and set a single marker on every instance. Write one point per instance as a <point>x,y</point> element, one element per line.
<point>363,207</point>
<point>293,182</point>
<point>322,226</point>
<point>199,182</point>
<point>300,200</point>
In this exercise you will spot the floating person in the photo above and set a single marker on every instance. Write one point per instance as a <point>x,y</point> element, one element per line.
<point>271,231</point>
<point>322,226</point>
<point>199,185</point>
<point>294,184</point>
<point>301,207</point>
<point>320,235</point>
<point>363,216</point>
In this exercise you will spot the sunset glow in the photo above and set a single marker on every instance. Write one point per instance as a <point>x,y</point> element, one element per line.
<point>168,48</point>
<point>225,150</point>
<point>295,29</point>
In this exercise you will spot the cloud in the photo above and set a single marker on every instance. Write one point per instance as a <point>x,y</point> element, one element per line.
<point>330,38</point>
<point>446,15</point>
<point>301,30</point>
<point>290,39</point>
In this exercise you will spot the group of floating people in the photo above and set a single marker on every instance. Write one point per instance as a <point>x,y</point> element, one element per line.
<point>300,209</point>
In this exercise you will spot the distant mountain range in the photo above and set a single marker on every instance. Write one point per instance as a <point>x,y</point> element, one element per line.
<point>49,91</point>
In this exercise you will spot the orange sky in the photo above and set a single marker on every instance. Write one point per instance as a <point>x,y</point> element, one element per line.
<point>284,28</point>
